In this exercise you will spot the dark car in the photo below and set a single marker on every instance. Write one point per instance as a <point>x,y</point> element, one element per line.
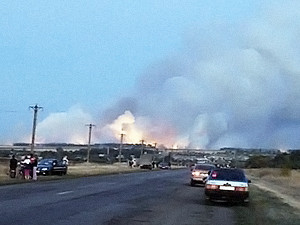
<point>51,166</point>
<point>164,165</point>
<point>200,172</point>
<point>227,184</point>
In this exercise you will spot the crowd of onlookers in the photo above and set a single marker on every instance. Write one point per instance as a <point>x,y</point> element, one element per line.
<point>26,167</point>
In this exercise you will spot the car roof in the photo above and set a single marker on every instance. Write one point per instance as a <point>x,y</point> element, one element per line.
<point>204,166</point>
<point>48,159</point>
<point>229,170</point>
<point>231,174</point>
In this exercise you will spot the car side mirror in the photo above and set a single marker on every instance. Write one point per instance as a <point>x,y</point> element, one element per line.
<point>249,181</point>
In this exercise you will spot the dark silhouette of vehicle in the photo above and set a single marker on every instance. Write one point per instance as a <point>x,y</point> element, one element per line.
<point>164,165</point>
<point>51,167</point>
<point>227,184</point>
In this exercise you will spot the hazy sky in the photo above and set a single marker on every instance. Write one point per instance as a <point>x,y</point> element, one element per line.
<point>189,73</point>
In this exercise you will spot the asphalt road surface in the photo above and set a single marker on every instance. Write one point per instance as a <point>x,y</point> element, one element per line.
<point>157,197</point>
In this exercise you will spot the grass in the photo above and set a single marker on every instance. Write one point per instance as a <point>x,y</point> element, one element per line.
<point>285,183</point>
<point>274,198</point>
<point>266,209</point>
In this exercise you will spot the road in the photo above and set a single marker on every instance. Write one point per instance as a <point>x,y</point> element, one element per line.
<point>157,197</point>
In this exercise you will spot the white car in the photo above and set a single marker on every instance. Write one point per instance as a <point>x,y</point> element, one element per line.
<point>200,172</point>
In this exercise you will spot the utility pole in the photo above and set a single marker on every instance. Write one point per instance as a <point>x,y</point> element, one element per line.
<point>142,150</point>
<point>89,143</point>
<point>35,108</point>
<point>121,147</point>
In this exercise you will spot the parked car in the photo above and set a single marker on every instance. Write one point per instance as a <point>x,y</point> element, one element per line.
<point>200,172</point>
<point>51,166</point>
<point>164,165</point>
<point>227,184</point>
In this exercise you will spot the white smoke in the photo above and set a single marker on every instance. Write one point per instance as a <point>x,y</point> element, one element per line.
<point>64,127</point>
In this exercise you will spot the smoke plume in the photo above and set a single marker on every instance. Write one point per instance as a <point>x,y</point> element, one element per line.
<point>232,85</point>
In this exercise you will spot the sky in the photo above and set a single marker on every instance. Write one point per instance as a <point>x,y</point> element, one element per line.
<point>187,74</point>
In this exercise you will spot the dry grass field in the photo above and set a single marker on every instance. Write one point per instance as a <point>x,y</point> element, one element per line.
<point>90,169</point>
<point>274,198</point>
<point>284,183</point>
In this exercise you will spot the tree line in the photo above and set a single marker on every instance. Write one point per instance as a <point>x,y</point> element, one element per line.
<point>289,160</point>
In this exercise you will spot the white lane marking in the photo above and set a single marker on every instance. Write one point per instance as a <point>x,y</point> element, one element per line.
<point>65,192</point>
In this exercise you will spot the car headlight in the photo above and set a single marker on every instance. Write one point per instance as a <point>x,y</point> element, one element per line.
<point>196,173</point>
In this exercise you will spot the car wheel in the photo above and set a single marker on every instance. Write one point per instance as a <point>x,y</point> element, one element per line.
<point>246,202</point>
<point>192,183</point>
<point>208,201</point>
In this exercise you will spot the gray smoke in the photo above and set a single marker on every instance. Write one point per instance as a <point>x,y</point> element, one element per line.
<point>234,85</point>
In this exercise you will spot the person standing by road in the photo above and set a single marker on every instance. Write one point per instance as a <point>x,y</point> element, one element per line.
<point>27,167</point>
<point>13,163</point>
<point>33,162</point>
<point>65,160</point>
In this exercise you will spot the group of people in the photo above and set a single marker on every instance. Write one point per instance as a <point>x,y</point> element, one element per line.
<point>28,166</point>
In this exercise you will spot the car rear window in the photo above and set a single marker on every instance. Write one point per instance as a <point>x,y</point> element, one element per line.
<point>228,175</point>
<point>204,167</point>
<point>45,162</point>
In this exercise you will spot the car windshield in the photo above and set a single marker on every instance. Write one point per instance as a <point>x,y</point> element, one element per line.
<point>204,167</point>
<point>228,175</point>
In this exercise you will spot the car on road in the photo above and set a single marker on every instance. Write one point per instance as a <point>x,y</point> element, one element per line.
<point>51,167</point>
<point>227,184</point>
<point>164,165</point>
<point>200,172</point>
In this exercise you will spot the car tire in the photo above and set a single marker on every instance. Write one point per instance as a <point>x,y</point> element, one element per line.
<point>192,183</point>
<point>208,201</point>
<point>246,202</point>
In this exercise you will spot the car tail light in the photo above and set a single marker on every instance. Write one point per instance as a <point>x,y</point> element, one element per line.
<point>214,175</point>
<point>212,186</point>
<point>241,188</point>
